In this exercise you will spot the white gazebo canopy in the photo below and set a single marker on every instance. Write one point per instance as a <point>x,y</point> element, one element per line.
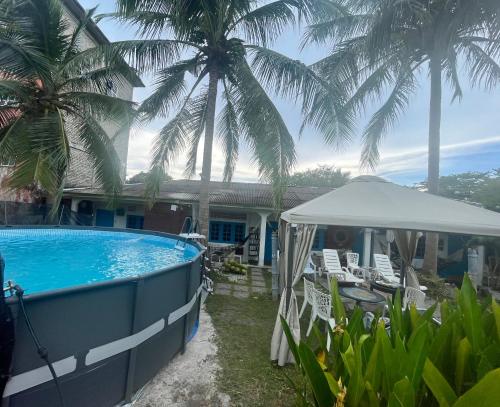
<point>368,202</point>
<point>372,202</point>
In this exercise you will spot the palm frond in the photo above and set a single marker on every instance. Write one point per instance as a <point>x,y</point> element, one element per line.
<point>228,133</point>
<point>197,110</point>
<point>451,72</point>
<point>149,23</point>
<point>264,24</point>
<point>20,58</point>
<point>102,153</point>
<point>264,129</point>
<point>374,81</point>
<point>9,135</point>
<point>287,77</point>
<point>169,89</point>
<point>39,149</point>
<point>483,68</point>
<point>8,115</point>
<point>73,46</point>
<point>171,141</point>
<point>100,107</point>
<point>385,117</point>
<point>98,80</point>
<point>14,89</point>
<point>142,55</point>
<point>336,30</point>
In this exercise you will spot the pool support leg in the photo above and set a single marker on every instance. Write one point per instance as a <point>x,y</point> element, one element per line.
<point>132,360</point>
<point>188,297</point>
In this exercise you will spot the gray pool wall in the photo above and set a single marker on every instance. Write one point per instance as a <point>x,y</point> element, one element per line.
<point>106,340</point>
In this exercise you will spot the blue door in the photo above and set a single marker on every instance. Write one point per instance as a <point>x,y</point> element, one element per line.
<point>268,254</point>
<point>104,218</point>
<point>135,222</point>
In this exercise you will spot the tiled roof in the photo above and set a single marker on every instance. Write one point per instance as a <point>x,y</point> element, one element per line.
<point>242,194</point>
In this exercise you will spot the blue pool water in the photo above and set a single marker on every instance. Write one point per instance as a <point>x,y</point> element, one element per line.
<point>47,259</point>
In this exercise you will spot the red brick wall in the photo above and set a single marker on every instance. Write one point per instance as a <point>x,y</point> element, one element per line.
<point>161,218</point>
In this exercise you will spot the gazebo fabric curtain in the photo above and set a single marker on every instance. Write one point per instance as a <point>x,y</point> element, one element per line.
<point>280,350</point>
<point>407,245</point>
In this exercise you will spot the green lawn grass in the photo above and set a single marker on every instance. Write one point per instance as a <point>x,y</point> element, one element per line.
<point>244,328</point>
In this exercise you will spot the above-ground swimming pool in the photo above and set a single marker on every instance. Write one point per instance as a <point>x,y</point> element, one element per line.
<point>48,259</point>
<point>111,306</point>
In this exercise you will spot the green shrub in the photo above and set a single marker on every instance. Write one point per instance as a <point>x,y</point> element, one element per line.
<point>417,363</point>
<point>233,267</point>
<point>436,286</point>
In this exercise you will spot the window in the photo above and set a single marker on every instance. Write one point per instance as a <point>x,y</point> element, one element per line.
<point>227,232</point>
<point>214,231</point>
<point>239,232</point>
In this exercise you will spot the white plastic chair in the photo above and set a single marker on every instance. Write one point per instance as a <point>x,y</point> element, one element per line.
<point>334,269</point>
<point>354,267</point>
<point>322,309</point>
<point>308,296</point>
<point>310,268</point>
<point>413,296</point>
<point>383,269</point>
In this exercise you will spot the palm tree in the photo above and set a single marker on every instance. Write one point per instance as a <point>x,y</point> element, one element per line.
<point>390,42</point>
<point>224,46</point>
<point>51,97</point>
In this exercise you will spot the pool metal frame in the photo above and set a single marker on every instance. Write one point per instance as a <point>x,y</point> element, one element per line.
<point>106,340</point>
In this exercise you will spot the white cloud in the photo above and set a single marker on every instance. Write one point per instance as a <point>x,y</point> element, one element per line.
<point>394,161</point>
<point>139,153</point>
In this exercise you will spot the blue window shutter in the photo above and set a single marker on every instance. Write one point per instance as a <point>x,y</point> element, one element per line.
<point>322,233</point>
<point>319,239</point>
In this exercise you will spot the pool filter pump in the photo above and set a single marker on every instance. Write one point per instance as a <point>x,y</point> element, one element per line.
<point>6,333</point>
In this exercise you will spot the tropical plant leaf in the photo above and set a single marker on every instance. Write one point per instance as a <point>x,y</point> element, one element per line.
<point>471,311</point>
<point>403,394</point>
<point>438,385</point>
<point>319,383</point>
<point>291,342</point>
<point>485,393</point>
<point>463,359</point>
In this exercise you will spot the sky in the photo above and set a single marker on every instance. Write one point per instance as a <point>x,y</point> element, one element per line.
<point>470,129</point>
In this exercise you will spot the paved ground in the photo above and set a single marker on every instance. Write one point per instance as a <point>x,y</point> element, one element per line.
<point>189,380</point>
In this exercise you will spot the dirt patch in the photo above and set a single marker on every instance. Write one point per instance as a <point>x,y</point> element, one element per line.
<point>189,380</point>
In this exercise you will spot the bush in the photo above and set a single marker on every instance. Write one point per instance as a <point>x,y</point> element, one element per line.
<point>437,287</point>
<point>417,363</point>
<point>233,267</point>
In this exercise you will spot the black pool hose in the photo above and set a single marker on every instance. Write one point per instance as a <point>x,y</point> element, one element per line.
<point>42,351</point>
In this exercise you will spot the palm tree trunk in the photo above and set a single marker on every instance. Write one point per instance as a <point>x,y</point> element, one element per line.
<point>431,239</point>
<point>207,153</point>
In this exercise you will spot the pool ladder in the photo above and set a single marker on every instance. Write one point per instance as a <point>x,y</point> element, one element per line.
<point>181,244</point>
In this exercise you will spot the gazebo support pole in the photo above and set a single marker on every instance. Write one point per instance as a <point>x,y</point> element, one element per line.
<point>275,272</point>
<point>289,267</point>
